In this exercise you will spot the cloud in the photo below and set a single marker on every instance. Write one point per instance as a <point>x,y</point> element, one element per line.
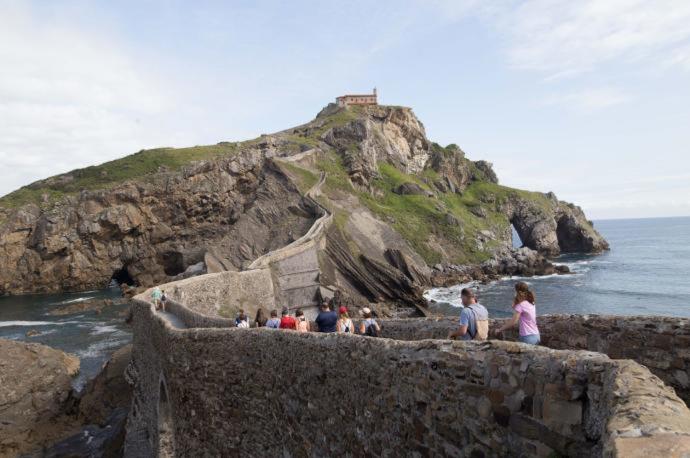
<point>68,98</point>
<point>589,100</point>
<point>567,36</point>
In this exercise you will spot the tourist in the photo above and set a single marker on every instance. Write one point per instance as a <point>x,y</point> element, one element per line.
<point>260,318</point>
<point>327,319</point>
<point>286,321</point>
<point>302,323</point>
<point>156,297</point>
<point>369,327</point>
<point>474,318</point>
<point>242,321</point>
<point>164,299</point>
<point>345,325</point>
<point>524,313</point>
<point>274,321</point>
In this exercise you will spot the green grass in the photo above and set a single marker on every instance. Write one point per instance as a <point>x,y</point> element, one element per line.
<point>304,178</point>
<point>114,172</point>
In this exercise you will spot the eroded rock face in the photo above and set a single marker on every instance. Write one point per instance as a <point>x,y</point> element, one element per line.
<point>35,387</point>
<point>553,226</point>
<point>390,134</point>
<point>152,230</point>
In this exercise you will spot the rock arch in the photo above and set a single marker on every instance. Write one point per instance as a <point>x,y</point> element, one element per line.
<point>166,425</point>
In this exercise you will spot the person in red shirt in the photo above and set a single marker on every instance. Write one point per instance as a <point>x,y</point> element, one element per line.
<point>286,321</point>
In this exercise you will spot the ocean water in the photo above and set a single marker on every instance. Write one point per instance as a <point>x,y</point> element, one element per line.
<point>90,336</point>
<point>647,272</point>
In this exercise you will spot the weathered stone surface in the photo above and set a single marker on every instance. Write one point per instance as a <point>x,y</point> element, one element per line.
<point>405,395</point>
<point>35,387</point>
<point>152,230</point>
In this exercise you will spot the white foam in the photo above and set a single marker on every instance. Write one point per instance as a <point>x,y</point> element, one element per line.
<point>103,330</point>
<point>72,301</point>
<point>5,324</point>
<point>97,349</point>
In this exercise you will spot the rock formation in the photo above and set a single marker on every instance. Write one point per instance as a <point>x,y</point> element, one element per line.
<point>35,387</point>
<point>161,215</point>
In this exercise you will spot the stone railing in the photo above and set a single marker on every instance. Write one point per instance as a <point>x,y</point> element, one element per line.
<point>272,281</point>
<point>330,395</point>
<point>660,343</point>
<point>192,319</point>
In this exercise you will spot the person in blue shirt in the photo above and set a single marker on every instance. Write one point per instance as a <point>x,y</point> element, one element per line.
<point>327,319</point>
<point>474,318</point>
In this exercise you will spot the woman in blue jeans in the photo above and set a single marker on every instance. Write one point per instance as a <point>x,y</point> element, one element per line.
<point>524,314</point>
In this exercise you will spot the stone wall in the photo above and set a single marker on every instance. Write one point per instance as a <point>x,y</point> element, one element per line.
<point>192,319</point>
<point>263,392</point>
<point>224,293</point>
<point>662,344</point>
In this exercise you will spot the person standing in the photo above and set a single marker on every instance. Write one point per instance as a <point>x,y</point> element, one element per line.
<point>242,321</point>
<point>474,318</point>
<point>327,319</point>
<point>369,327</point>
<point>164,299</point>
<point>302,323</point>
<point>260,318</point>
<point>524,314</point>
<point>345,325</point>
<point>274,321</point>
<point>156,297</point>
<point>286,321</point>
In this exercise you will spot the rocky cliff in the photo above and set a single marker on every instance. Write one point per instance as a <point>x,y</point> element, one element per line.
<point>401,204</point>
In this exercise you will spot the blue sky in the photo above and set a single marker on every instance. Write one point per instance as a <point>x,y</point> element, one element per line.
<point>589,99</point>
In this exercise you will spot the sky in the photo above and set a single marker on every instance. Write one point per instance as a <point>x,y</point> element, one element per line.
<point>588,99</point>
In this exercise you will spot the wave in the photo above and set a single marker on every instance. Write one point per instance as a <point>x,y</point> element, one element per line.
<point>104,329</point>
<point>72,301</point>
<point>5,324</point>
<point>97,349</point>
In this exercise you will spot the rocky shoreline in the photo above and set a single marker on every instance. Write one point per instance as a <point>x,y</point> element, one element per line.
<point>42,415</point>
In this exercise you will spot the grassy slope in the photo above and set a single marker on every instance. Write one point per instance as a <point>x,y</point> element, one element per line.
<point>114,172</point>
<point>419,219</point>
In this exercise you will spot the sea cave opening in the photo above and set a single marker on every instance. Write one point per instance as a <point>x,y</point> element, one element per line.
<point>166,438</point>
<point>172,262</point>
<point>517,241</point>
<point>121,276</point>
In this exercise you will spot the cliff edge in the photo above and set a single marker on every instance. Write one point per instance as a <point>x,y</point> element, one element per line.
<point>405,210</point>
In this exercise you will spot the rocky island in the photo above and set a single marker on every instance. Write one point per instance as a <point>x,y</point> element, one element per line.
<point>359,207</point>
<point>407,212</point>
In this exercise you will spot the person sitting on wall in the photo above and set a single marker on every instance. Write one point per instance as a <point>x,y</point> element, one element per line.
<point>242,321</point>
<point>302,323</point>
<point>474,319</point>
<point>274,321</point>
<point>286,321</point>
<point>327,319</point>
<point>524,313</point>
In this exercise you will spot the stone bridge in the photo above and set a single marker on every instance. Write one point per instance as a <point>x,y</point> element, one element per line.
<point>205,388</point>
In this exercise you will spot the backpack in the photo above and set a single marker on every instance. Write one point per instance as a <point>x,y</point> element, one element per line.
<point>482,327</point>
<point>371,330</point>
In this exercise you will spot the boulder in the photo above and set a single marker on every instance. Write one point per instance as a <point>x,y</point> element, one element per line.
<point>411,189</point>
<point>35,392</point>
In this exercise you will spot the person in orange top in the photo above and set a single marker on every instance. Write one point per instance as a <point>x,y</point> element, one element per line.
<point>302,323</point>
<point>286,321</point>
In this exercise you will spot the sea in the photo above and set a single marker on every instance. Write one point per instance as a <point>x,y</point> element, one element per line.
<point>647,272</point>
<point>91,336</point>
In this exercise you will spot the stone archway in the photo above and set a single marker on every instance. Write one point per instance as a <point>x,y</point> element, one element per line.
<point>166,427</point>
